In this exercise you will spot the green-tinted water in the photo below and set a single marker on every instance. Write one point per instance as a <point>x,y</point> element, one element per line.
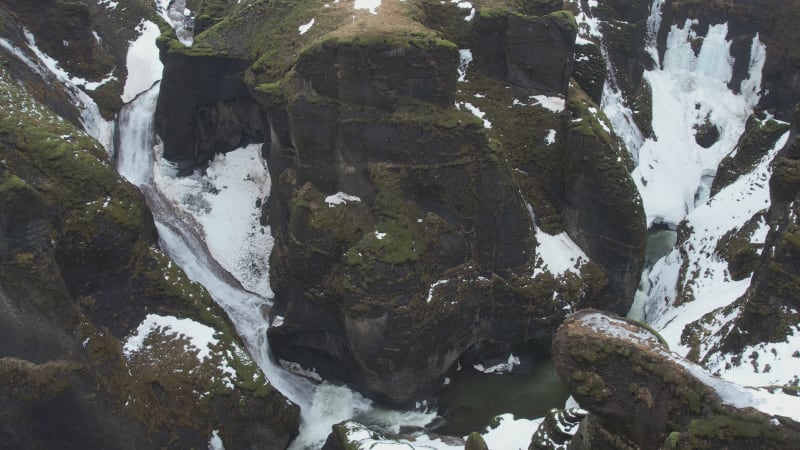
<point>473,398</point>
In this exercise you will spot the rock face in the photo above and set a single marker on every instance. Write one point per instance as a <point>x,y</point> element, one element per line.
<point>80,272</point>
<point>639,395</point>
<point>205,108</point>
<point>771,20</point>
<point>88,39</point>
<point>770,306</point>
<point>404,233</point>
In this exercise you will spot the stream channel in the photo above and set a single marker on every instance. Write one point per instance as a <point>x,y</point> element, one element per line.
<point>469,402</point>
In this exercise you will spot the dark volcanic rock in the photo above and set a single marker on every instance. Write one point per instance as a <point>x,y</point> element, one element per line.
<point>602,209</point>
<point>205,108</point>
<point>771,303</point>
<point>436,259</point>
<point>369,74</point>
<point>79,271</point>
<point>590,70</point>
<point>88,39</point>
<point>624,26</point>
<point>758,138</point>
<point>773,22</point>
<point>557,429</point>
<point>511,47</point>
<point>639,395</point>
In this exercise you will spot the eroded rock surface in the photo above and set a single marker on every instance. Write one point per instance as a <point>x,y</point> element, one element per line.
<point>80,274</point>
<point>405,227</point>
<point>639,395</point>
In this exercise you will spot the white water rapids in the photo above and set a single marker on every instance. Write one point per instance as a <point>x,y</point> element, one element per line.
<point>321,405</point>
<point>181,243</point>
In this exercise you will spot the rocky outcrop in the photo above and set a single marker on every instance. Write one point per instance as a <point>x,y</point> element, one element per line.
<point>602,210</point>
<point>759,137</point>
<point>355,282</point>
<point>771,303</point>
<point>557,429</point>
<point>79,273</point>
<point>623,24</point>
<point>401,239</point>
<point>639,395</point>
<point>205,108</point>
<point>590,70</point>
<point>88,39</point>
<point>511,48</point>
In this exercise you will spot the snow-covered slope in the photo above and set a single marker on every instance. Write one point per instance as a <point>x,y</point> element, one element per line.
<point>692,297</point>
<point>694,274</point>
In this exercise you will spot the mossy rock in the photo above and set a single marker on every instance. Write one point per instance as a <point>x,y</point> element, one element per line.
<point>92,276</point>
<point>590,70</point>
<point>758,138</point>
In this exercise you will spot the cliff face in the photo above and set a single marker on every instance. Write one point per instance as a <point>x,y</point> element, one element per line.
<point>404,233</point>
<point>771,21</point>
<point>769,307</point>
<point>105,342</point>
<point>80,272</point>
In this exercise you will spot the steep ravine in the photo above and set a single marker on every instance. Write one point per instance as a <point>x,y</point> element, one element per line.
<point>405,228</point>
<point>447,186</point>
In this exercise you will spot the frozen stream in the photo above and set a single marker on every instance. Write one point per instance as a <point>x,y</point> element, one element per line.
<point>180,241</point>
<point>198,217</point>
<point>322,405</point>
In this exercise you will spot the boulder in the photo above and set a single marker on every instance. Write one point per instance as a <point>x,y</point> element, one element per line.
<point>639,395</point>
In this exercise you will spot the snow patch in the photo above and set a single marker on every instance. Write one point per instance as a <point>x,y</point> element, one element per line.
<point>558,254</point>
<point>340,198</point>
<point>215,443</point>
<point>303,29</point>
<point>371,5</point>
<point>223,203</point>
<point>689,90</point>
<point>20,55</point>
<point>501,368</point>
<point>550,139</point>
<point>90,117</point>
<point>201,341</point>
<point>465,5</point>
<point>707,280</point>
<point>175,13</point>
<point>551,103</point>
<point>475,112</point>
<point>433,287</point>
<point>144,67</point>
<point>764,364</point>
<point>511,433</point>
<point>109,4</point>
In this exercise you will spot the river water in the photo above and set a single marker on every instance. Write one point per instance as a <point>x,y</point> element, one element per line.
<point>473,399</point>
<point>469,402</point>
<point>659,244</point>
